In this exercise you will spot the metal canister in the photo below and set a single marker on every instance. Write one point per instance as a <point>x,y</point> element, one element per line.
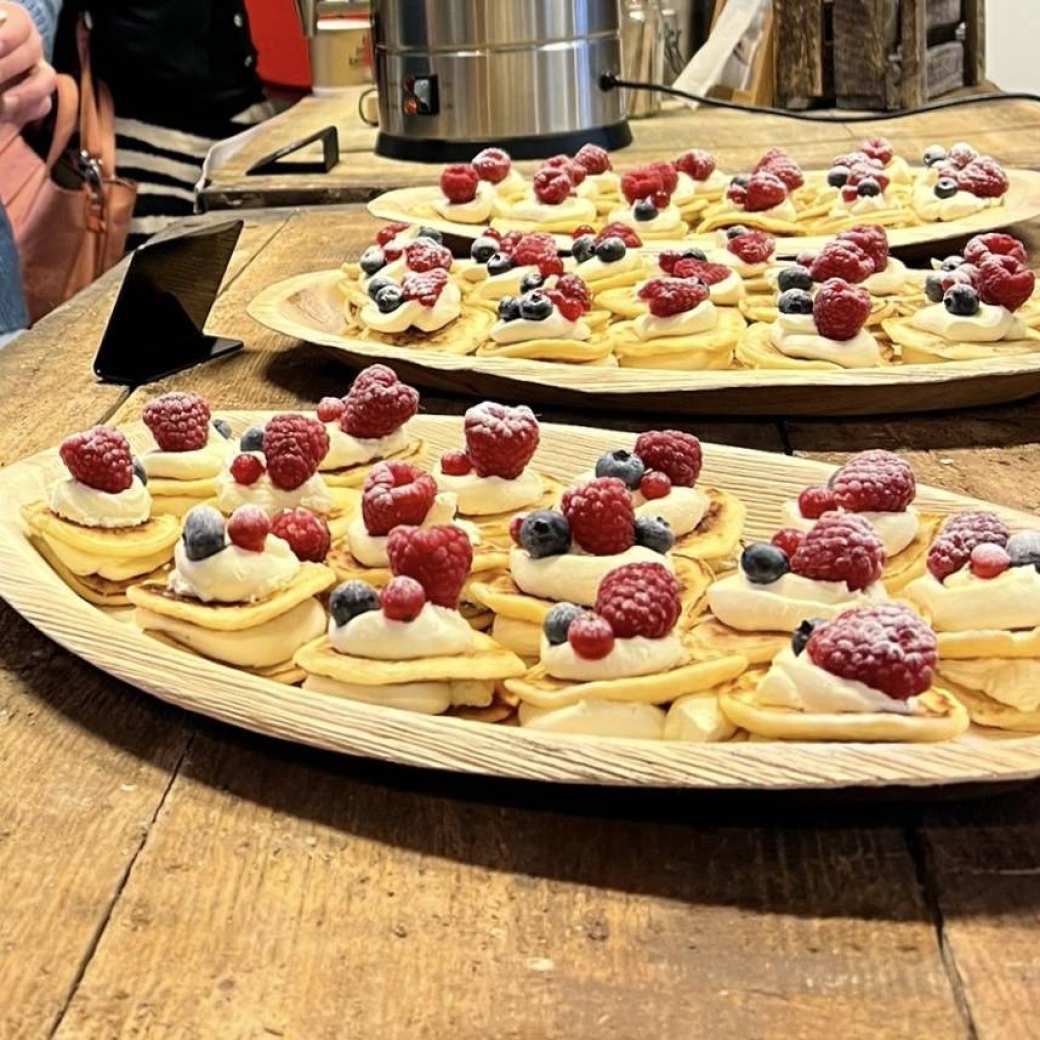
<point>642,54</point>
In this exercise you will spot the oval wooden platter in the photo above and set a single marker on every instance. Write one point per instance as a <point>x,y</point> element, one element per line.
<point>763,481</point>
<point>1022,202</point>
<point>308,307</point>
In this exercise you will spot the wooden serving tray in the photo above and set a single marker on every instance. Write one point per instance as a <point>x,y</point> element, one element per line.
<point>1022,202</point>
<point>763,481</point>
<point>308,307</point>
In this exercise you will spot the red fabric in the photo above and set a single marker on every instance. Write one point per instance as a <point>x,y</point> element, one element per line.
<point>284,56</point>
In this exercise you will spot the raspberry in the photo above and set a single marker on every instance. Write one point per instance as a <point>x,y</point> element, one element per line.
<point>248,528</point>
<point>961,155</point>
<point>551,186</point>
<point>710,274</point>
<point>247,469</point>
<point>666,296</point>
<point>178,421</point>
<point>378,403</point>
<point>395,493</point>
<point>872,240</point>
<point>601,516</point>
<point>455,463</point>
<point>995,243</point>
<point>534,249</point>
<point>983,177</point>
<point>988,560</point>
<point>887,647</point>
<point>583,229</point>
<point>514,528</point>
<point>330,409</point>
<point>959,535</point>
<point>622,231</point>
<point>781,165</point>
<point>874,482</point>
<point>696,163</point>
<point>672,452</point>
<point>753,247</point>
<point>426,287</point>
<point>590,636</point>
<point>492,164</point>
<point>1004,281</point>
<point>550,265</point>
<point>805,258</point>
<point>593,158</point>
<point>813,502</point>
<point>402,599</point>
<point>879,148</point>
<point>639,599</point>
<point>438,558</point>
<point>575,171</point>
<point>764,191</point>
<point>788,539</point>
<point>388,232</point>
<point>644,183</point>
<point>570,308</point>
<point>840,310</point>
<point>459,182</point>
<point>424,255</point>
<point>294,445</point>
<point>307,534</point>
<point>500,440</point>
<point>99,458</point>
<point>842,259</point>
<point>655,484</point>
<point>573,286</point>
<point>859,172</point>
<point>966,274</point>
<point>506,241</point>
<point>840,547</point>
<point>850,159</point>
<point>667,172</point>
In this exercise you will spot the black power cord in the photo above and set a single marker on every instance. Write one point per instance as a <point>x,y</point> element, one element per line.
<point>611,81</point>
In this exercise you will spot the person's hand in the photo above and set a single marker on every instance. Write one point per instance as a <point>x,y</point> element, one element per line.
<point>26,79</point>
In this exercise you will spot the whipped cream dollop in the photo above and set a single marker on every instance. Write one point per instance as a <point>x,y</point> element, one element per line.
<point>990,325</point>
<point>348,450</point>
<point>689,188</point>
<point>782,605</point>
<point>722,254</point>
<point>511,186</point>
<point>573,208</point>
<point>234,575</point>
<point>476,211</point>
<point>862,204</point>
<point>637,655</point>
<point>197,464</point>
<point>668,219</point>
<point>964,602</point>
<point>929,206</point>
<point>1014,681</point>
<point>796,336</point>
<point>889,281</point>
<point>594,270</point>
<point>701,318</point>
<point>495,286</point>
<point>574,577</point>
<point>556,326</point>
<point>781,211</point>
<point>607,183</point>
<point>483,496</point>
<point>683,507</point>
<point>312,494</point>
<point>896,530</point>
<point>89,507</point>
<point>433,632</point>
<point>446,308</point>
<point>370,549</point>
<point>798,683</point>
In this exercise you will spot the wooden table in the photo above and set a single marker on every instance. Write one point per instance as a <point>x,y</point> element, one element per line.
<point>162,875</point>
<point>736,138</point>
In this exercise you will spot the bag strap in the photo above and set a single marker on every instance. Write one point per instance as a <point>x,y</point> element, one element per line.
<point>96,111</point>
<point>66,103</point>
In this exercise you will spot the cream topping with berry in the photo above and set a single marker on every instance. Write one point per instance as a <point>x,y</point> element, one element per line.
<point>434,632</point>
<point>683,508</point>
<point>798,683</point>
<point>197,464</point>
<point>725,256</point>
<point>495,286</point>
<point>1014,681</point>
<point>370,549</point>
<point>896,530</point>
<point>989,325</point>
<point>964,602</point>
<point>929,206</point>
<point>572,208</point>
<point>889,281</point>
<point>573,576</point>
<point>312,494</point>
<point>668,219</point>
<point>556,326</point>
<point>594,269</point>
<point>234,575</point>
<point>482,496</point>
<point>413,313</point>
<point>861,205</point>
<point>686,323</point>
<point>781,211</point>
<point>713,184</point>
<point>626,659</point>
<point>348,450</point>
<point>726,293</point>
<point>782,605</point>
<point>81,504</point>
<point>796,336</point>
<point>475,211</point>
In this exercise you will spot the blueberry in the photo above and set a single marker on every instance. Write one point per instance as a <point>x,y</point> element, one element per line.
<point>351,599</point>
<point>794,277</point>
<point>961,299</point>
<point>483,249</point>
<point>736,230</point>
<point>372,259</point>
<point>945,188</point>
<point>389,298</point>
<point>203,533</point>
<point>584,248</point>
<point>644,209</point>
<point>763,562</point>
<point>1024,548</point>
<point>951,263</point>
<point>545,533</point>
<point>377,282</point>
<point>933,288</point>
<point>932,154</point>
<point>508,308</point>
<point>431,233</point>
<point>499,263</point>
<point>531,280</point>
<point>535,306</point>
<point>612,248</point>
<point>558,620</point>
<point>623,465</point>
<point>654,532</point>
<point>693,253</point>
<point>252,439</point>
<point>801,635</point>
<point>868,187</point>
<point>795,301</point>
<point>837,176</point>
<point>139,471</point>
<point>741,179</point>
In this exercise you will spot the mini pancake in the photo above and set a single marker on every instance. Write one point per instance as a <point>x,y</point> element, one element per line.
<point>633,276</point>
<point>284,672</point>
<point>992,642</point>
<point>554,227</point>
<point>710,639</point>
<point>354,476</point>
<point>895,217</point>
<point>108,543</point>
<point>311,580</point>
<point>922,348</point>
<point>911,562</point>
<point>762,308</point>
<point>597,718</point>
<point>945,720</point>
<point>596,347</point>
<point>697,717</point>
<point>711,349</point>
<point>349,568</point>
<point>756,351</point>
<point>494,527</point>
<point>498,711</point>
<point>986,711</point>
<point>722,215</point>
<point>625,303</point>
<point>461,336</point>
<point>717,536</point>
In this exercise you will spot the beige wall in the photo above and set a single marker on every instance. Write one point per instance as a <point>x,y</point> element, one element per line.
<point>1012,34</point>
